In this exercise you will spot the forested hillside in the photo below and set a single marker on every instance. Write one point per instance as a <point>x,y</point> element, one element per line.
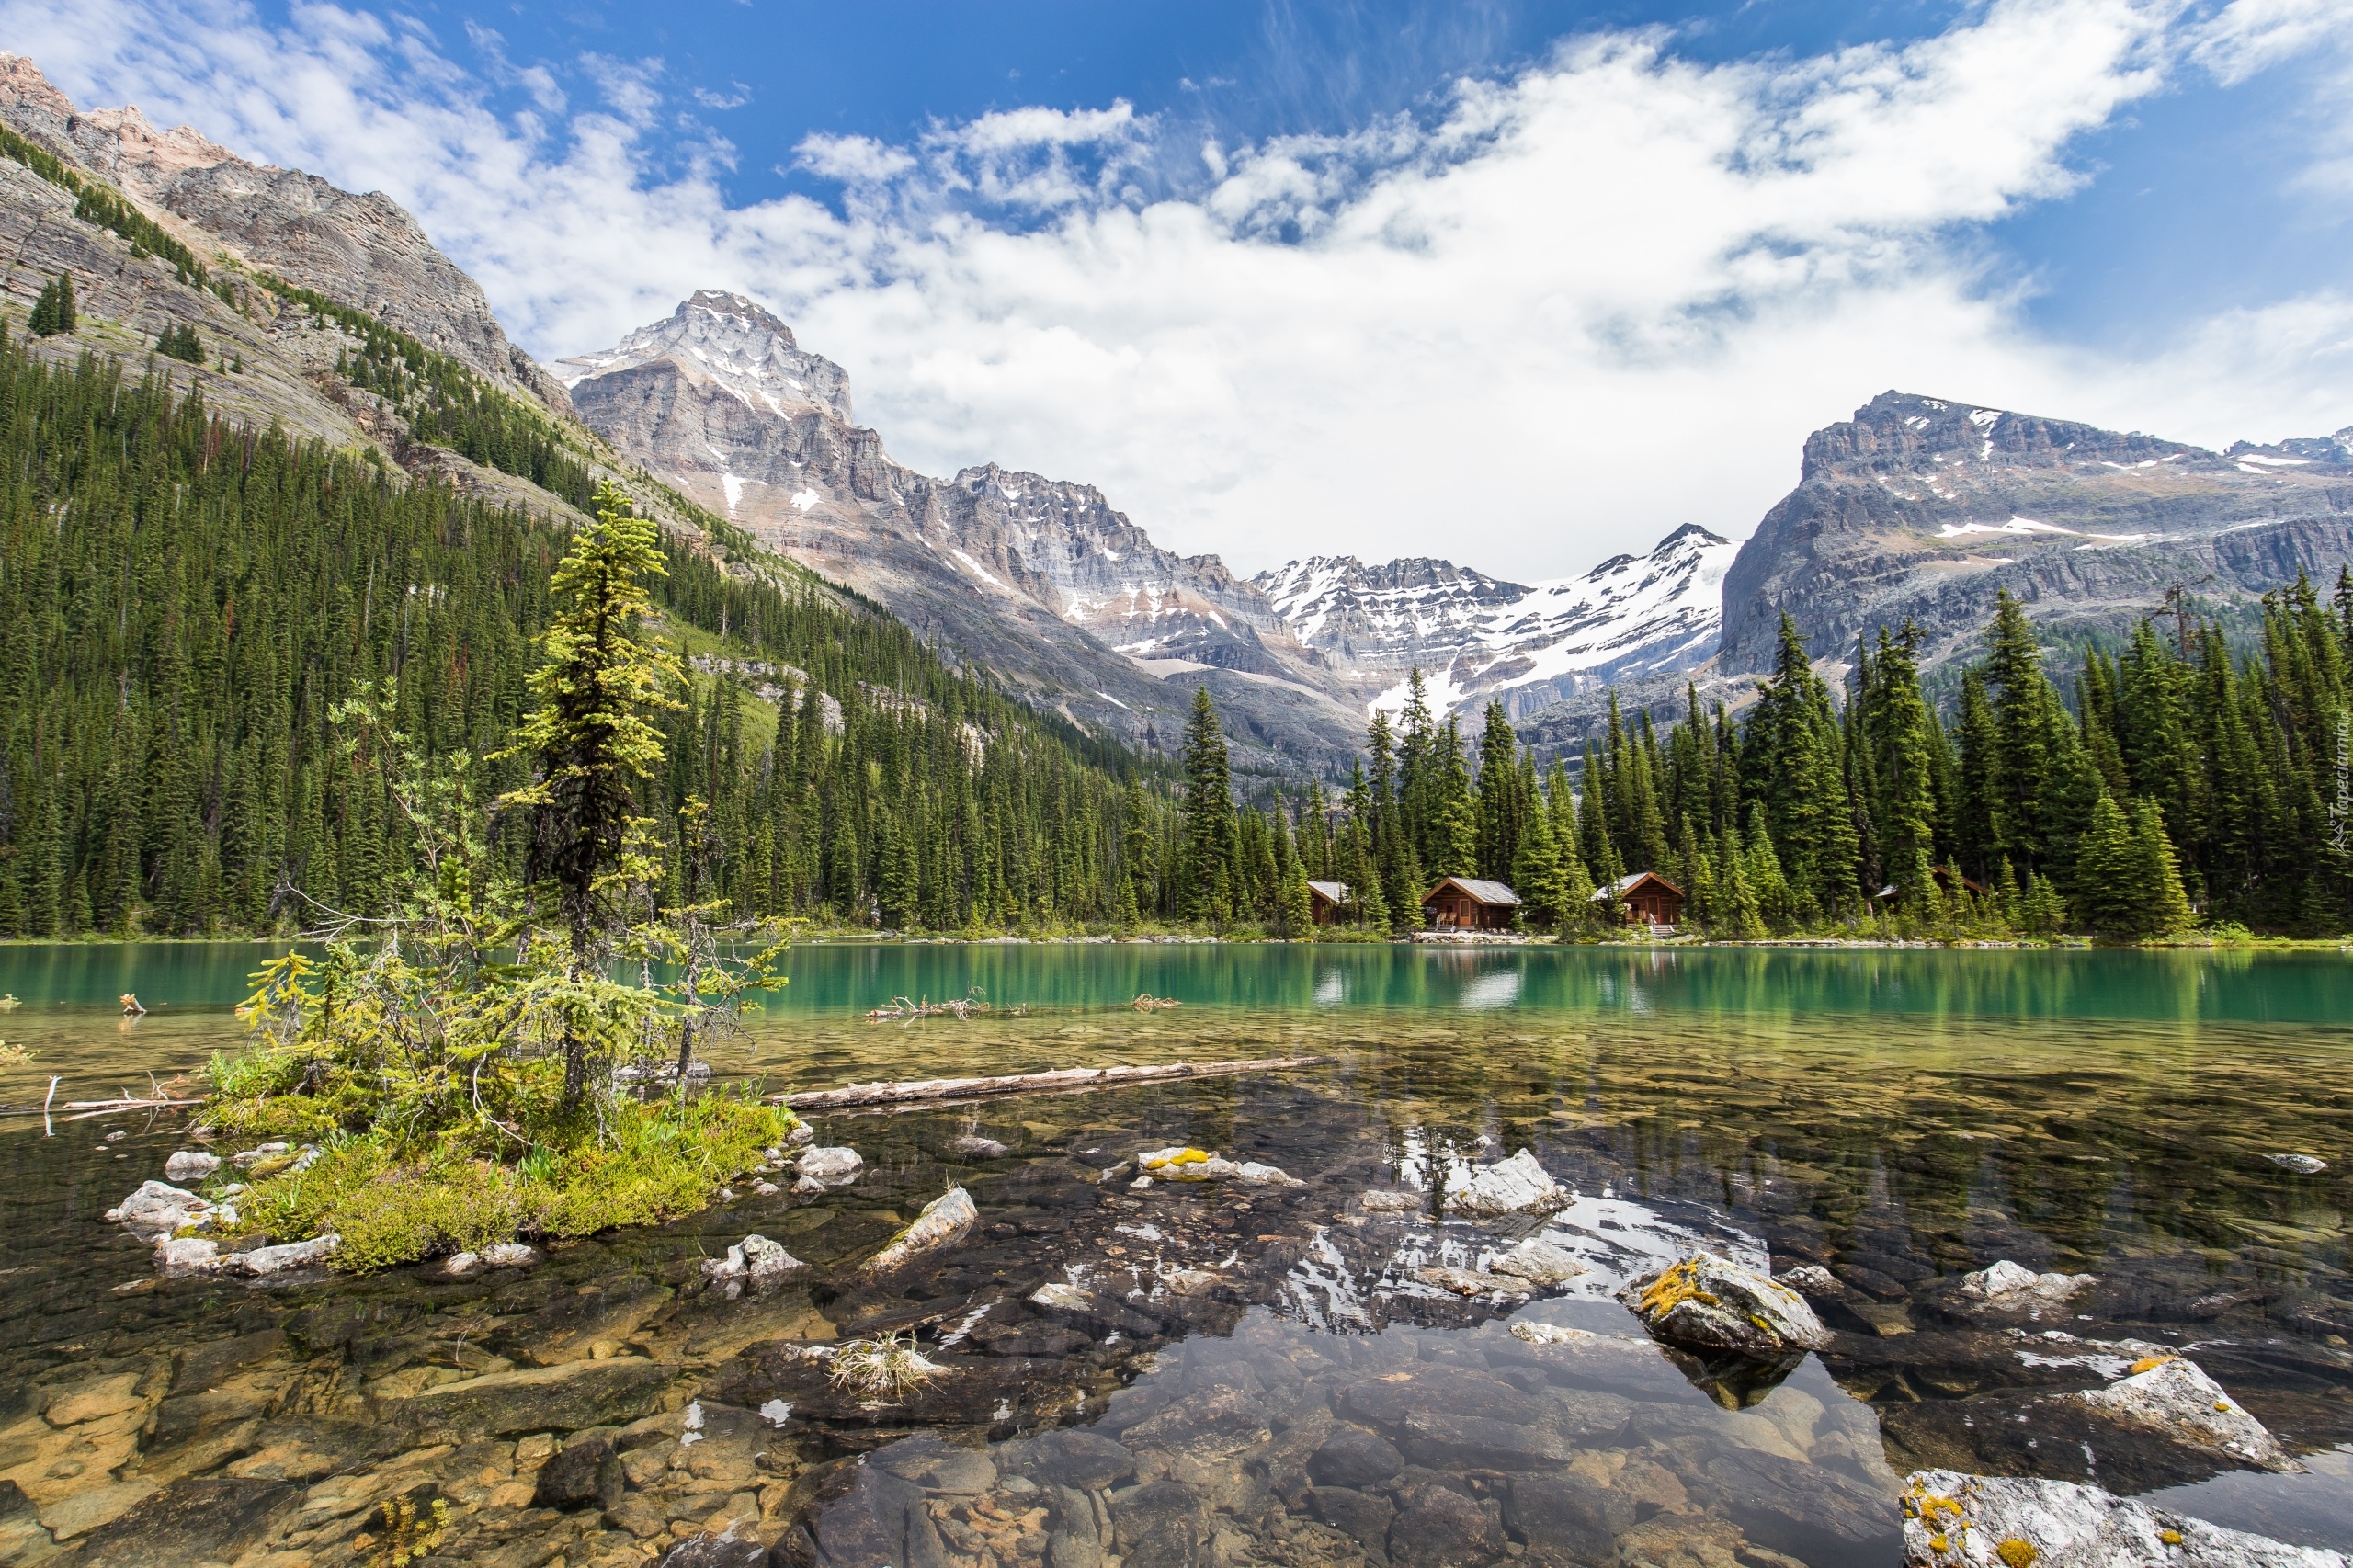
<point>2185,772</point>
<point>183,602</point>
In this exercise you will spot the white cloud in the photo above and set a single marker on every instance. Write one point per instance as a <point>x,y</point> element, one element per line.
<point>1559,316</point>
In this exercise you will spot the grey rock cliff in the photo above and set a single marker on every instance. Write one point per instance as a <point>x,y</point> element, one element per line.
<point>359,250</point>
<point>1923,508</point>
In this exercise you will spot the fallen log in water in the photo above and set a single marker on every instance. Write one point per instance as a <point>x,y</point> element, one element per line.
<point>938,1091</point>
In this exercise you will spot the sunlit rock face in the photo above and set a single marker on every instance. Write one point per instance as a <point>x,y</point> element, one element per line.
<point>1921,508</point>
<point>1040,581</point>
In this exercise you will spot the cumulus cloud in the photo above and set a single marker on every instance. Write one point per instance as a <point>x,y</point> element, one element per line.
<point>1554,316</point>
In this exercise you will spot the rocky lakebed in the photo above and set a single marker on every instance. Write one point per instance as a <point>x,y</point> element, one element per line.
<point>1398,1311</point>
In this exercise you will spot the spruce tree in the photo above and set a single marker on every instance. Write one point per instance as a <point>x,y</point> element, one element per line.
<point>2163,908</point>
<point>1208,894</point>
<point>1539,878</point>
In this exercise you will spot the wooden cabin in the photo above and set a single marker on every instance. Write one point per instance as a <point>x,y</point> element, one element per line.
<point>1948,881</point>
<point>1470,904</point>
<point>1646,897</point>
<point>1328,900</point>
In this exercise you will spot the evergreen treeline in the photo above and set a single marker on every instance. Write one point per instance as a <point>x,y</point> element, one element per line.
<point>2184,780</point>
<point>184,602</point>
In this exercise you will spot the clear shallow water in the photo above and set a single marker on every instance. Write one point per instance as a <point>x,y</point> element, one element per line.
<point>1897,1117</point>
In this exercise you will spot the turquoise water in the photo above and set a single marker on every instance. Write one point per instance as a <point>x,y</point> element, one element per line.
<point>832,980</point>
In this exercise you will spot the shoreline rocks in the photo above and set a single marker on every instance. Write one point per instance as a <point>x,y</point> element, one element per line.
<point>190,1164</point>
<point>1952,1521</point>
<point>156,1210</point>
<point>2007,1287</point>
<point>755,1261</point>
<point>1708,1304</point>
<point>2174,1399</point>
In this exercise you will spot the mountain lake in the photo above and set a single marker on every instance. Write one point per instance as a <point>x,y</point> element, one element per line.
<point>1150,1375</point>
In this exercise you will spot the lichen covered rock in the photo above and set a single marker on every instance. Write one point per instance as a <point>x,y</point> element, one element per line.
<point>1709,1303</point>
<point>2175,1399</point>
<point>1951,1520</point>
<point>1181,1163</point>
<point>1516,1186</point>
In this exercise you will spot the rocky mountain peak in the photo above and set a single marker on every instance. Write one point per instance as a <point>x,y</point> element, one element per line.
<point>1906,433</point>
<point>364,250</point>
<point>718,337</point>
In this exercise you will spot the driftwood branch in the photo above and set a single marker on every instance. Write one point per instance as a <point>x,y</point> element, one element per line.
<point>942,1091</point>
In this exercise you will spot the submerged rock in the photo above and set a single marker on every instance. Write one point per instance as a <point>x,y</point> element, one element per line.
<point>1393,1203</point>
<point>1708,1304</point>
<point>1466,1282</point>
<point>177,1256</point>
<point>2176,1399</point>
<point>1813,1280</point>
<point>945,1221</point>
<point>1516,1186</point>
<point>587,1472</point>
<point>1181,1163</point>
<point>2302,1164</point>
<point>1951,1520</point>
<point>1538,1262</point>
<point>973,1146</point>
<point>263,1262</point>
<point>2011,1287</point>
<point>190,1164</point>
<point>830,1167</point>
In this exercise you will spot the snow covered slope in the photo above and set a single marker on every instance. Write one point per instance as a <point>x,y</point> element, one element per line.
<point>1476,637</point>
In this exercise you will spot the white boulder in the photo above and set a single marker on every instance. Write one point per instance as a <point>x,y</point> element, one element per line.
<point>1708,1304</point>
<point>830,1167</point>
<point>190,1164</point>
<point>2011,1287</point>
<point>2302,1164</point>
<point>1951,1520</point>
<point>157,1209</point>
<point>1181,1163</point>
<point>1516,1186</point>
<point>510,1255</point>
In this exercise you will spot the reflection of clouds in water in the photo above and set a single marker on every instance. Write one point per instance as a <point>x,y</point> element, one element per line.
<point>1500,989</point>
<point>1331,988</point>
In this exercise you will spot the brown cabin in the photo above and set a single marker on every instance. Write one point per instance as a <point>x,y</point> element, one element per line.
<point>1470,904</point>
<point>1327,900</point>
<point>1947,880</point>
<point>1647,898</point>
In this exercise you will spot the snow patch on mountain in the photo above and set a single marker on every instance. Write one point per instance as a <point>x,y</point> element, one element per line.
<point>1476,637</point>
<point>727,341</point>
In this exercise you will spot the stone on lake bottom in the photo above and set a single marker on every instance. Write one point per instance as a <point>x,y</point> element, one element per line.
<point>724,1549</point>
<point>587,1472</point>
<point>2302,1164</point>
<point>1951,1520</point>
<point>973,1146</point>
<point>1538,1262</point>
<point>1708,1304</point>
<point>1516,1186</point>
<point>1466,1282</point>
<point>1393,1203</point>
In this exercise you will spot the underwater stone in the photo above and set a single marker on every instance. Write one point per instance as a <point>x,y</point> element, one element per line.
<point>1538,1262</point>
<point>1464,1282</point>
<point>587,1472</point>
<point>725,1550</point>
<point>1709,1303</point>
<point>973,1146</point>
<point>1393,1203</point>
<point>190,1164</point>
<point>1516,1186</point>
<point>1951,1520</point>
<point>1814,1280</point>
<point>2302,1164</point>
<point>2176,1399</point>
<point>831,1167</point>
<point>945,1221</point>
<point>1440,1527</point>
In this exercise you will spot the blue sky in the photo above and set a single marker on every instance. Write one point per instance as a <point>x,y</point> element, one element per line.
<point>1524,284</point>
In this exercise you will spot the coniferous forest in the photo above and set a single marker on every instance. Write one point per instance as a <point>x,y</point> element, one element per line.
<point>188,603</point>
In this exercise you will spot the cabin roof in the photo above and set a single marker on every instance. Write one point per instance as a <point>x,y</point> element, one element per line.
<point>1335,892</point>
<point>1479,888</point>
<point>1629,883</point>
